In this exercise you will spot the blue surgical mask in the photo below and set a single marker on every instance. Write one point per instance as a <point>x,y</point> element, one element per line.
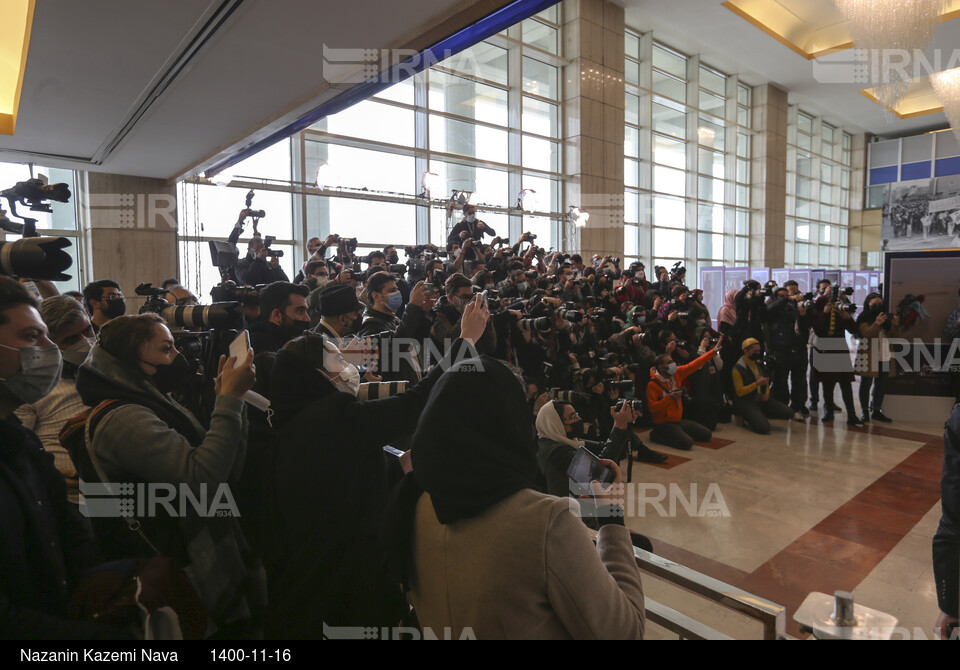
<point>471,218</point>
<point>394,301</point>
<point>671,369</point>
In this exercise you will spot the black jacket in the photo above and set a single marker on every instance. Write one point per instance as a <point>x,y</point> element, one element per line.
<point>44,547</point>
<point>254,271</point>
<point>266,336</point>
<point>414,325</point>
<point>788,330</point>
<point>946,542</point>
<point>321,549</point>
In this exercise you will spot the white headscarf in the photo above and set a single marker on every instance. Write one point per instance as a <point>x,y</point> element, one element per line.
<point>550,426</point>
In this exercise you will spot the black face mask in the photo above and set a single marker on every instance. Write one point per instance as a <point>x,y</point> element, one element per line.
<point>115,308</point>
<point>393,258</point>
<point>292,329</point>
<point>171,377</point>
<point>755,357</point>
<point>577,428</point>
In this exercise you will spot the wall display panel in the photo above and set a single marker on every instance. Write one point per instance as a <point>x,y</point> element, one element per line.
<point>921,214</point>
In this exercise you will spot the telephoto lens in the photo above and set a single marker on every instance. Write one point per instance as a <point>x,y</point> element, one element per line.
<point>635,404</point>
<point>220,315</point>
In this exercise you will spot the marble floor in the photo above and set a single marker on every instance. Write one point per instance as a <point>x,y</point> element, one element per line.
<point>809,507</point>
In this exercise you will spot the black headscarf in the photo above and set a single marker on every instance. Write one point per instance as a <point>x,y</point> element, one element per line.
<point>867,315</point>
<point>467,457</point>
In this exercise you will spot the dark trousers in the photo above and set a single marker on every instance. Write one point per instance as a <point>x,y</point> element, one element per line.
<point>757,414</point>
<point>679,434</point>
<point>846,391</point>
<point>789,379</point>
<point>879,385</point>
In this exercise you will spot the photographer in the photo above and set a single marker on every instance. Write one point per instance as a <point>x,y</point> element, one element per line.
<point>70,329</point>
<point>789,327</point>
<point>104,301</point>
<point>339,312</point>
<point>705,406</point>
<point>752,400</point>
<point>45,547</point>
<point>323,557</point>
<point>665,404</point>
<point>448,311</point>
<point>381,318</point>
<point>254,269</point>
<point>283,316</point>
<point>822,287</point>
<point>469,227</point>
<point>832,317</point>
<point>873,359</point>
<point>147,437</point>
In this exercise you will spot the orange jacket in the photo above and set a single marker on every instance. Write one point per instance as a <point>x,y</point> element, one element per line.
<point>667,410</point>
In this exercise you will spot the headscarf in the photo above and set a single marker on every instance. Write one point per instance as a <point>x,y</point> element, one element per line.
<point>866,314</point>
<point>550,426</point>
<point>728,313</point>
<point>464,460</point>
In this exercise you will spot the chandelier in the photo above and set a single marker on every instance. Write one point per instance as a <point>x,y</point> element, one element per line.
<point>947,86</point>
<point>892,34</point>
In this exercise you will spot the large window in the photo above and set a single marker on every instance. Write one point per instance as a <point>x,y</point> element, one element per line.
<point>818,192</point>
<point>686,159</point>
<point>485,121</point>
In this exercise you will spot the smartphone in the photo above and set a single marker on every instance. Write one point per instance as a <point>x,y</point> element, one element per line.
<point>240,345</point>
<point>393,451</point>
<point>586,468</point>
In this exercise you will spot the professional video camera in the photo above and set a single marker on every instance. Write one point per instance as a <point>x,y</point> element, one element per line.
<point>228,291</point>
<point>33,257</point>
<point>678,272</point>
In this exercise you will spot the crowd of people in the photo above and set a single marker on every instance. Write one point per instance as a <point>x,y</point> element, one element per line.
<point>380,476</point>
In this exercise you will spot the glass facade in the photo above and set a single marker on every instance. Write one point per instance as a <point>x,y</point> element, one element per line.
<point>686,159</point>
<point>486,121</point>
<point>818,192</point>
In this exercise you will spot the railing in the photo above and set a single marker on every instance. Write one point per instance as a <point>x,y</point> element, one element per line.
<point>770,615</point>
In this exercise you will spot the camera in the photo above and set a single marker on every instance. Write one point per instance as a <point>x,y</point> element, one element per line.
<point>267,241</point>
<point>571,315</point>
<point>635,404</point>
<point>228,291</point>
<point>492,298</point>
<point>40,258</point>
<point>219,315</point>
<point>255,213</point>
<point>678,271</point>
<point>541,324</point>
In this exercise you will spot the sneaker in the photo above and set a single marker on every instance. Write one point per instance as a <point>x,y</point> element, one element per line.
<point>805,412</point>
<point>865,418</point>
<point>813,408</point>
<point>827,418</point>
<point>797,416</point>
<point>854,422</point>
<point>880,416</point>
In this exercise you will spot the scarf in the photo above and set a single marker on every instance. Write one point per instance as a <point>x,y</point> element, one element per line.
<point>728,313</point>
<point>550,426</point>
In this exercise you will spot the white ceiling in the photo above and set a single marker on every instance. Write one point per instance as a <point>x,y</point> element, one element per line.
<point>93,63</point>
<point>732,45</point>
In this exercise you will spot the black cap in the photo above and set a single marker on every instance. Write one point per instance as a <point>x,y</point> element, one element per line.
<point>337,300</point>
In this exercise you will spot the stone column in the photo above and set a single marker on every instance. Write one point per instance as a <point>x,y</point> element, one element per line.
<point>593,35</point>
<point>129,230</point>
<point>768,176</point>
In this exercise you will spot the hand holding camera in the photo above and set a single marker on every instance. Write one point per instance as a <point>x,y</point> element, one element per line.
<point>420,297</point>
<point>474,319</point>
<point>625,413</point>
<point>235,378</point>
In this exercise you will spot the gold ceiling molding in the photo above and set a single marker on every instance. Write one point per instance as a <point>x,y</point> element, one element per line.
<point>811,28</point>
<point>919,100</point>
<point>16,20</point>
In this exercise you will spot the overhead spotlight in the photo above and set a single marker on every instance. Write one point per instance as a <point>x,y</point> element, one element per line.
<point>325,176</point>
<point>578,216</point>
<point>522,195</point>
<point>429,182</point>
<point>220,178</point>
<point>461,197</point>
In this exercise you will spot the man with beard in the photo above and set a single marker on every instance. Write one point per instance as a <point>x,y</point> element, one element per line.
<point>104,301</point>
<point>446,325</point>
<point>283,316</point>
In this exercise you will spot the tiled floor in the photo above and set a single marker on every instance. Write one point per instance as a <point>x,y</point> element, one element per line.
<point>807,508</point>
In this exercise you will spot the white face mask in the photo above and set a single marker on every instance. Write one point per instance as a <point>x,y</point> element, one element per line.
<point>38,375</point>
<point>342,375</point>
<point>77,352</point>
<point>471,218</point>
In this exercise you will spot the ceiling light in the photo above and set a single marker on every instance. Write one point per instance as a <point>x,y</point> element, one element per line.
<point>16,21</point>
<point>578,216</point>
<point>325,175</point>
<point>429,182</point>
<point>893,33</point>
<point>947,86</point>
